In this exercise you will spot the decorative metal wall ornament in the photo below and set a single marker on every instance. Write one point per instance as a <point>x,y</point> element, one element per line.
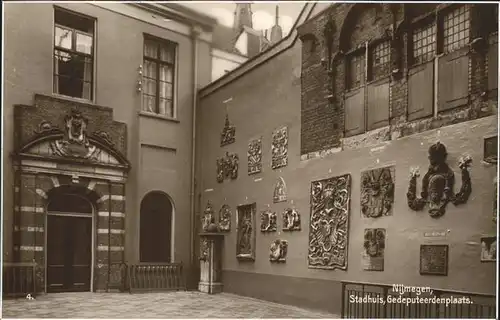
<point>208,216</point>
<point>278,251</point>
<point>377,192</point>
<point>489,249</point>
<point>268,221</point>
<point>245,241</point>
<point>225,218</point>
<point>279,148</point>
<point>204,247</point>
<point>291,220</point>
<point>279,191</point>
<point>227,167</point>
<point>329,223</point>
<point>438,183</point>
<point>254,156</point>
<point>228,133</point>
<point>434,260</point>
<point>374,246</point>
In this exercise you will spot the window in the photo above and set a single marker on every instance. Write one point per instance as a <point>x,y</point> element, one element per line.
<point>424,43</point>
<point>380,60</point>
<point>356,70</point>
<point>73,54</point>
<point>158,78</point>
<point>456,26</point>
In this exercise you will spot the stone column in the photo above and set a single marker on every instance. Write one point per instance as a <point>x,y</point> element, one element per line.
<point>211,262</point>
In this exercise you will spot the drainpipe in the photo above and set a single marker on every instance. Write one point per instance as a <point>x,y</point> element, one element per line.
<point>195,31</point>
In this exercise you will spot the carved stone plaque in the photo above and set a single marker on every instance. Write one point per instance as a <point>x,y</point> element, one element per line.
<point>329,223</point>
<point>377,192</point>
<point>489,249</point>
<point>245,240</point>
<point>278,251</point>
<point>225,218</point>
<point>228,133</point>
<point>291,220</point>
<point>279,148</point>
<point>279,191</point>
<point>227,167</point>
<point>434,260</point>
<point>268,221</point>
<point>491,149</point>
<point>374,247</point>
<point>208,216</point>
<point>254,156</point>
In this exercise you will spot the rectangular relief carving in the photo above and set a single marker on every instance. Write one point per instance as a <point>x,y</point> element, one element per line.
<point>329,223</point>
<point>434,260</point>
<point>268,221</point>
<point>245,241</point>
<point>254,156</point>
<point>279,148</point>
<point>227,167</point>
<point>278,251</point>
<point>489,249</point>
<point>377,192</point>
<point>374,248</point>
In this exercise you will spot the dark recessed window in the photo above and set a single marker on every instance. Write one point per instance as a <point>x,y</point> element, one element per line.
<point>380,60</point>
<point>356,70</point>
<point>424,43</point>
<point>456,29</point>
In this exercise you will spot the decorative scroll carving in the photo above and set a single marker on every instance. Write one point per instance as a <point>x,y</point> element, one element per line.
<point>46,127</point>
<point>254,156</point>
<point>225,218</point>
<point>491,150</point>
<point>278,251</point>
<point>279,148</point>
<point>438,183</point>
<point>489,249</point>
<point>208,217</point>
<point>104,136</point>
<point>228,133</point>
<point>329,224</point>
<point>291,220</point>
<point>204,247</point>
<point>434,260</point>
<point>377,192</point>
<point>245,244</point>
<point>279,191</point>
<point>227,167</point>
<point>268,221</point>
<point>374,246</point>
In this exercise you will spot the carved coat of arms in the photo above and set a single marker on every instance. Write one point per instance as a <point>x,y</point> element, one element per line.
<point>377,192</point>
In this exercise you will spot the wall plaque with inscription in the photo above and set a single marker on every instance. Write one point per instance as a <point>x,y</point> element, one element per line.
<point>434,259</point>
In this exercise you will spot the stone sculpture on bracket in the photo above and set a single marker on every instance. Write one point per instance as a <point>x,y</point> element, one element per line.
<point>245,240</point>
<point>279,191</point>
<point>278,251</point>
<point>291,220</point>
<point>329,223</point>
<point>208,216</point>
<point>254,156</point>
<point>227,167</point>
<point>374,246</point>
<point>438,183</point>
<point>228,133</point>
<point>268,221</point>
<point>279,148</point>
<point>377,192</point>
<point>225,218</point>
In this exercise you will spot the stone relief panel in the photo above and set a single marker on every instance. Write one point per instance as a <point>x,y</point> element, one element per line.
<point>227,167</point>
<point>434,260</point>
<point>208,216</point>
<point>377,192</point>
<point>228,133</point>
<point>204,247</point>
<point>279,191</point>
<point>329,223</point>
<point>438,183</point>
<point>254,156</point>
<point>268,221</point>
<point>225,218</point>
<point>278,251</point>
<point>374,247</point>
<point>489,249</point>
<point>291,220</point>
<point>245,244</point>
<point>279,148</point>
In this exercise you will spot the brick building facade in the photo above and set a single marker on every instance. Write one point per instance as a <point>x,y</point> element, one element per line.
<point>307,153</point>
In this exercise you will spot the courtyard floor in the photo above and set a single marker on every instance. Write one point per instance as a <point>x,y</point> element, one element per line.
<point>182,304</point>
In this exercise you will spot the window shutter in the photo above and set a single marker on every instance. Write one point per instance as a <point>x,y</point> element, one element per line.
<point>453,82</point>
<point>355,112</point>
<point>378,105</point>
<point>493,66</point>
<point>421,92</point>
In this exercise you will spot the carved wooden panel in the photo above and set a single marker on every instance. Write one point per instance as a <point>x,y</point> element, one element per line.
<point>279,148</point>
<point>491,149</point>
<point>279,191</point>
<point>489,249</point>
<point>434,260</point>
<point>329,223</point>
<point>228,133</point>
<point>278,251</point>
<point>245,240</point>
<point>268,221</point>
<point>225,218</point>
<point>377,192</point>
<point>374,248</point>
<point>254,155</point>
<point>291,220</point>
<point>227,167</point>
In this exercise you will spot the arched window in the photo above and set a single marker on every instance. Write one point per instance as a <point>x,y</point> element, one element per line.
<point>155,228</point>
